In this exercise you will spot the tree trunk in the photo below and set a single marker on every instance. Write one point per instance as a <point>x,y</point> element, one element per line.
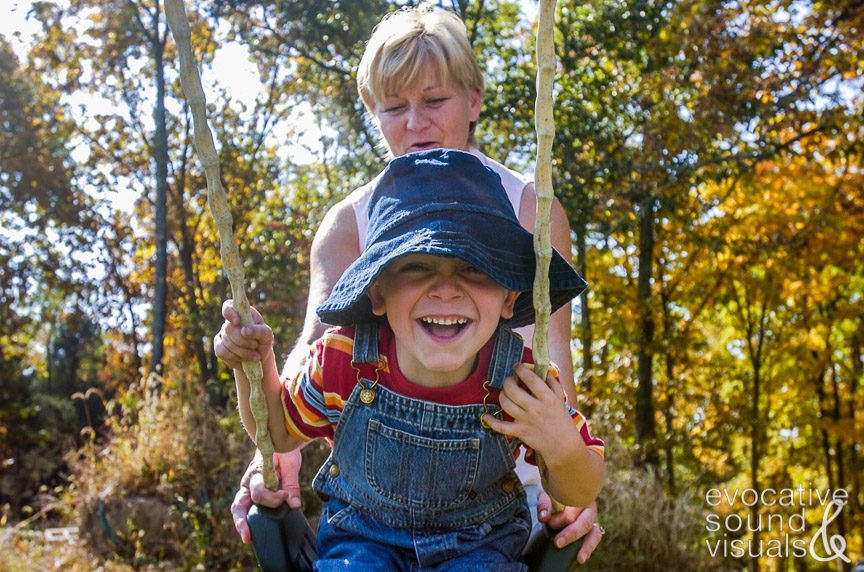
<point>855,497</point>
<point>160,303</point>
<point>755,455</point>
<point>128,302</point>
<point>646,433</point>
<point>825,414</point>
<point>841,469</point>
<point>758,329</point>
<point>823,432</point>
<point>668,409</point>
<point>585,333</point>
<point>187,251</point>
<point>129,306</point>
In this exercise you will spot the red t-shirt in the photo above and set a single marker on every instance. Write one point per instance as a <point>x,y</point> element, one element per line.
<point>314,398</point>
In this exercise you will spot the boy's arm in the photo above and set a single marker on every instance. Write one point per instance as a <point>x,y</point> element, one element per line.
<point>575,473</point>
<point>272,388</point>
<point>543,422</point>
<point>260,337</point>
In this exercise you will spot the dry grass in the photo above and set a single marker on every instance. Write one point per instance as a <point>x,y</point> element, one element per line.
<point>157,493</point>
<point>647,529</point>
<point>31,553</point>
<point>155,496</point>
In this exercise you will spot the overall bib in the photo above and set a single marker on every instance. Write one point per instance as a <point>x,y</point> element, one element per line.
<point>415,485</point>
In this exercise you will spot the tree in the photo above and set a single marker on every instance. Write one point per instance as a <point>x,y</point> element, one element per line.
<point>661,97</point>
<point>43,247</point>
<point>123,48</point>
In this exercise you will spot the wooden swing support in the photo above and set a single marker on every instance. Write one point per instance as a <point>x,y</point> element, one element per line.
<point>190,80</point>
<point>545,127</point>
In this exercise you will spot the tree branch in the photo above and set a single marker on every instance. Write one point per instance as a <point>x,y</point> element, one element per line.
<point>218,201</point>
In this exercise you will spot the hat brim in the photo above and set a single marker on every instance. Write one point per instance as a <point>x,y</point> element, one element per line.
<point>506,256</point>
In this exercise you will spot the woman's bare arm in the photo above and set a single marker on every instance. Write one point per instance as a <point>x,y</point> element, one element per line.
<point>559,322</point>
<point>335,247</point>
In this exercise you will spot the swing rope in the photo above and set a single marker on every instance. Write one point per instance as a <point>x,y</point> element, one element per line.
<point>545,127</point>
<point>217,200</point>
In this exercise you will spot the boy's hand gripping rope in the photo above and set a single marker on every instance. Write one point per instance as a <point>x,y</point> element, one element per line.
<point>218,202</point>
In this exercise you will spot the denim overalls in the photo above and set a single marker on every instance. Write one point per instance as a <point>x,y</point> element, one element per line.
<point>416,485</point>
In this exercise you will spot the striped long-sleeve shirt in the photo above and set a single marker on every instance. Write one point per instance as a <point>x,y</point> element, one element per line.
<point>314,398</point>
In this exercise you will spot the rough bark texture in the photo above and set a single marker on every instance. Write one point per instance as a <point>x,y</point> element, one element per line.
<point>218,202</point>
<point>160,302</point>
<point>545,126</point>
<point>586,333</point>
<point>646,432</point>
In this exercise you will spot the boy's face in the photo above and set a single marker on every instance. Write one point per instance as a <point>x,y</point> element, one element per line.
<point>442,311</point>
<point>427,114</point>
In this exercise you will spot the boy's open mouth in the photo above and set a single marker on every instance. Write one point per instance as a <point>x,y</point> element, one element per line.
<point>443,328</point>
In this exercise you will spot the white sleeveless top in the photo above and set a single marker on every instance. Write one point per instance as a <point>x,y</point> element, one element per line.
<point>514,183</point>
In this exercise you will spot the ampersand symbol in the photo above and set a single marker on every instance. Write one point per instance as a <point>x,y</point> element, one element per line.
<point>834,545</point>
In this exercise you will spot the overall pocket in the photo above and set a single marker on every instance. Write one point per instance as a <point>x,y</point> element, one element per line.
<point>416,471</point>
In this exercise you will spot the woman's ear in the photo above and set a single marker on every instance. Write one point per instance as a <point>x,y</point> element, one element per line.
<point>509,304</point>
<point>475,104</point>
<point>379,308</point>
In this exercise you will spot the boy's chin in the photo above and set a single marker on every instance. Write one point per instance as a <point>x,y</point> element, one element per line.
<point>446,367</point>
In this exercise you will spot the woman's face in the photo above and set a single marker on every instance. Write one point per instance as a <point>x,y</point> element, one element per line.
<point>427,115</point>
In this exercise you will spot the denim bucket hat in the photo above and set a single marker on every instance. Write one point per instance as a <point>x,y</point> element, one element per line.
<point>446,203</point>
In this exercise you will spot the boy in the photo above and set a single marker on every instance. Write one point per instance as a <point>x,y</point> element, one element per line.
<point>415,390</point>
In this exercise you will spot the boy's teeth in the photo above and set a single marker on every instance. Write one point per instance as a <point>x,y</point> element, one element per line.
<point>445,321</point>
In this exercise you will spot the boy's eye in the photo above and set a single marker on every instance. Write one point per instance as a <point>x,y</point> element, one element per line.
<point>394,108</point>
<point>436,102</point>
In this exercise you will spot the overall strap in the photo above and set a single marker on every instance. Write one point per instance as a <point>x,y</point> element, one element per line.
<point>506,353</point>
<point>366,343</point>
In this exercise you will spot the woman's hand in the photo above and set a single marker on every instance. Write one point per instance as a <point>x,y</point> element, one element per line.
<point>252,489</point>
<point>572,523</point>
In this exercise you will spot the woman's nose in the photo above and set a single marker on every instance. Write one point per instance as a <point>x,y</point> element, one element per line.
<point>417,118</point>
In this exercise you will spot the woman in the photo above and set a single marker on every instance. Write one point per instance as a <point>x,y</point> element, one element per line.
<point>419,80</point>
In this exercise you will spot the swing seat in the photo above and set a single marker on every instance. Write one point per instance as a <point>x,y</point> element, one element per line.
<point>283,541</point>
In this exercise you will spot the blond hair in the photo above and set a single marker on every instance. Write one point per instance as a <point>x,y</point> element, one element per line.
<point>408,40</point>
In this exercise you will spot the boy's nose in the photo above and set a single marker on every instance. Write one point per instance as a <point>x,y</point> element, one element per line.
<point>446,288</point>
